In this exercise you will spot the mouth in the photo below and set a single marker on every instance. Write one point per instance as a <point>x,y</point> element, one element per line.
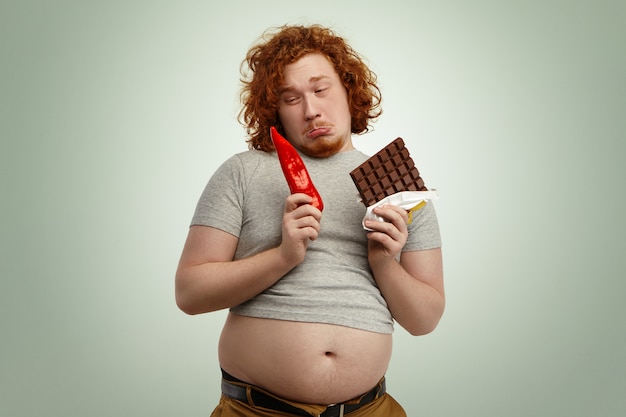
<point>318,131</point>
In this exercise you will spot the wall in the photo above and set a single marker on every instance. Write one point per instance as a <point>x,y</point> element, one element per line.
<point>114,115</point>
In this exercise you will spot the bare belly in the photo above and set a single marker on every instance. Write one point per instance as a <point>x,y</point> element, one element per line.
<point>306,362</point>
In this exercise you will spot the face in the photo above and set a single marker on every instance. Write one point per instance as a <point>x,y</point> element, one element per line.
<point>314,109</point>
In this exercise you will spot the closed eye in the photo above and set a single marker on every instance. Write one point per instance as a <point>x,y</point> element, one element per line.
<point>321,90</point>
<point>290,100</point>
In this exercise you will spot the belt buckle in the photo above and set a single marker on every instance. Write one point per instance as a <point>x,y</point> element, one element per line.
<point>341,411</point>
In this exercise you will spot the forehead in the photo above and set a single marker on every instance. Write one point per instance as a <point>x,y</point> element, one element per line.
<point>309,68</point>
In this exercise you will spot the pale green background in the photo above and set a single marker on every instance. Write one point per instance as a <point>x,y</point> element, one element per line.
<point>114,115</point>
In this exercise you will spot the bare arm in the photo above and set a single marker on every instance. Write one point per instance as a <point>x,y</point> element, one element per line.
<point>413,287</point>
<point>208,279</point>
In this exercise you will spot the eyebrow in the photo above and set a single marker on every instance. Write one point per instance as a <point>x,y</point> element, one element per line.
<point>312,80</point>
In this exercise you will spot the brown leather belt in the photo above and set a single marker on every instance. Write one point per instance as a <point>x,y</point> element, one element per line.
<point>260,399</point>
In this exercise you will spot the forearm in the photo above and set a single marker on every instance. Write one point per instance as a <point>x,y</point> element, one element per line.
<point>415,302</point>
<point>214,286</point>
<point>208,279</point>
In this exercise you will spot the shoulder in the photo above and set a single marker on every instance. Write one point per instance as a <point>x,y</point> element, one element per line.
<point>253,156</point>
<point>246,162</point>
<point>254,160</point>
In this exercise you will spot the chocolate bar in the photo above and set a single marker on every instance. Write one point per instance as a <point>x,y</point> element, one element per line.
<point>389,171</point>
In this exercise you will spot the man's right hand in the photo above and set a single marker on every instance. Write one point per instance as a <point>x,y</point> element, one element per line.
<point>301,223</point>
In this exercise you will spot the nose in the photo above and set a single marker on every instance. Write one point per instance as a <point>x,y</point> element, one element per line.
<point>311,110</point>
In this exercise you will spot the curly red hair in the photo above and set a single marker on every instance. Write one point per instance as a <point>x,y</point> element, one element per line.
<point>262,75</point>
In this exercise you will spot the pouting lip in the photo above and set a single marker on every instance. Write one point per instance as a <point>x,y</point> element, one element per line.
<point>317,131</point>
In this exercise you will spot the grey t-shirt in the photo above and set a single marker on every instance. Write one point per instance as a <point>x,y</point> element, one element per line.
<point>245,197</point>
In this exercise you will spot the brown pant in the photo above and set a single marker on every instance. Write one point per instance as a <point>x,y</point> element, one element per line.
<point>384,406</point>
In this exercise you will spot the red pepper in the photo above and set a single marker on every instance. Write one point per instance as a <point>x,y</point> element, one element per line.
<point>294,170</point>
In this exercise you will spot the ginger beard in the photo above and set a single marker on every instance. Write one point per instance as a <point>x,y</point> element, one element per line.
<point>322,146</point>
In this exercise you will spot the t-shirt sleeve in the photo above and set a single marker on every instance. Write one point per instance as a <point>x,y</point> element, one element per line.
<point>424,230</point>
<point>220,204</point>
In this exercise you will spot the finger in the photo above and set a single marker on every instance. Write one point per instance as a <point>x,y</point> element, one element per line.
<point>384,243</point>
<point>307,222</point>
<point>300,200</point>
<point>386,234</point>
<point>393,214</point>
<point>296,200</point>
<point>294,232</point>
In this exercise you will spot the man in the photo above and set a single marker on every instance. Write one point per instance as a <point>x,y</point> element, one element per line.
<point>312,295</point>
